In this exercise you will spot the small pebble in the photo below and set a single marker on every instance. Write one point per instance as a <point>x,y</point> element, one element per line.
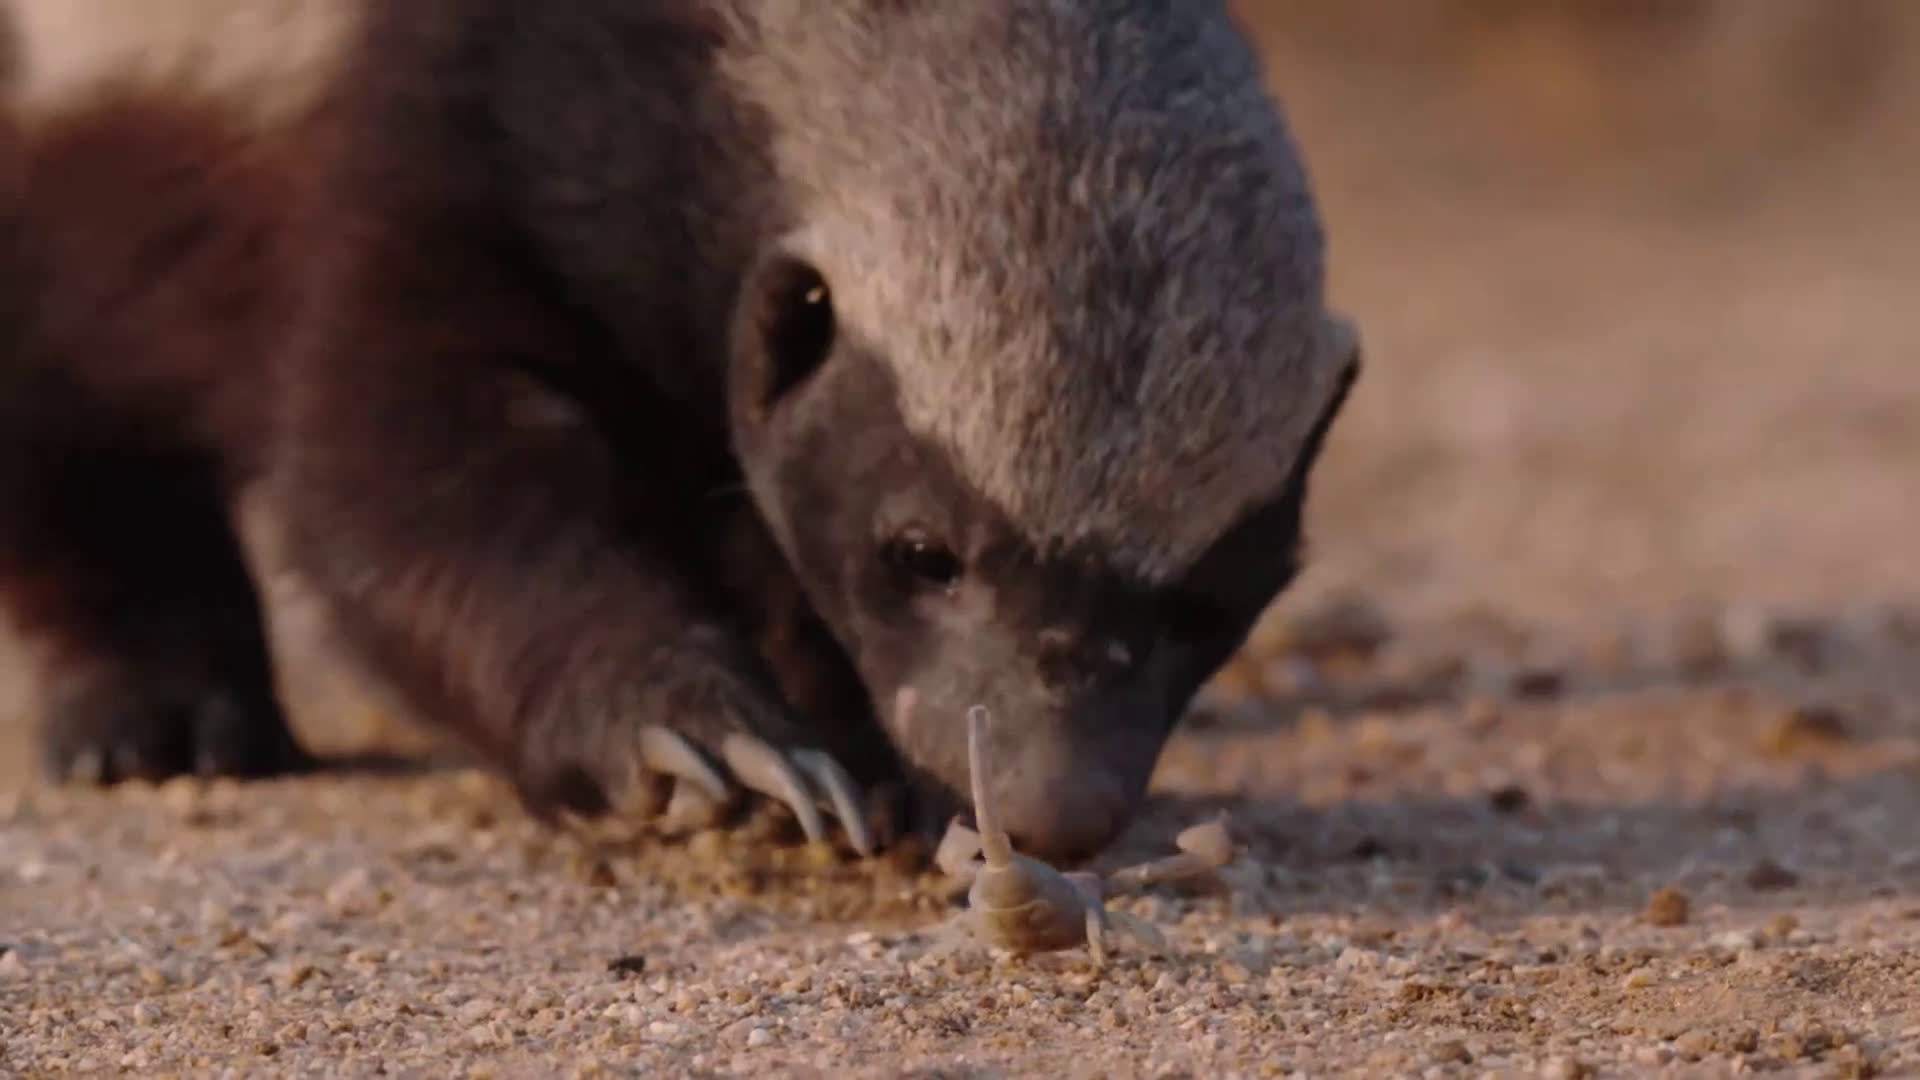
<point>708,845</point>
<point>1368,847</point>
<point>593,873</point>
<point>1698,646</point>
<point>353,894</point>
<point>295,975</point>
<point>1667,907</point>
<point>1694,1044</point>
<point>1806,729</point>
<point>1736,940</point>
<point>1538,682</point>
<point>1510,799</point>
<point>1565,1068</point>
<point>1805,641</point>
<point>759,1037</point>
<point>629,965</point>
<point>1348,625</point>
<point>1767,875</point>
<point>1210,840</point>
<point>1788,1047</point>
<point>1482,713</point>
<point>819,856</point>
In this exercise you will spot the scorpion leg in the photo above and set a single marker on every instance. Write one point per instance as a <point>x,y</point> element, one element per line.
<point>1096,935</point>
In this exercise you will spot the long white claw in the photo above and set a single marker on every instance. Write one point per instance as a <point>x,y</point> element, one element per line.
<point>669,752</point>
<point>841,792</point>
<point>766,770</point>
<point>690,808</point>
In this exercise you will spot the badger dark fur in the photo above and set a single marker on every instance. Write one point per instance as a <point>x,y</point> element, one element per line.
<point>642,377</point>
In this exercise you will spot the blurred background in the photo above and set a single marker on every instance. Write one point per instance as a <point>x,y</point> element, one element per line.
<point>1638,286</point>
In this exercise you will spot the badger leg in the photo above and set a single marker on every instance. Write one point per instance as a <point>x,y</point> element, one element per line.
<point>124,572</point>
<point>486,544</point>
<point>131,269</point>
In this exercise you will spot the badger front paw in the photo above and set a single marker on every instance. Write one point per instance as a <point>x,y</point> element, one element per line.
<point>807,781</point>
<point>126,725</point>
<point>682,739</point>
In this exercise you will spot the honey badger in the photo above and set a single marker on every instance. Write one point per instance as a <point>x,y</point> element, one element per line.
<point>728,393</point>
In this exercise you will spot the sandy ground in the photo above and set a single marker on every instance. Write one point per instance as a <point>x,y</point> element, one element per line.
<point>1589,745</point>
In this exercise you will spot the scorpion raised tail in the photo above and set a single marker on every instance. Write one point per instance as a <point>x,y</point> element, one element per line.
<point>995,847</point>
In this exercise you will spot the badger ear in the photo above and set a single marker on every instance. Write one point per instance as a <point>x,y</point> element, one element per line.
<point>783,332</point>
<point>1340,350</point>
<point>1339,356</point>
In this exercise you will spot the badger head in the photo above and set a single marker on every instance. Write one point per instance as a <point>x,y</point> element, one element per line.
<point>1030,388</point>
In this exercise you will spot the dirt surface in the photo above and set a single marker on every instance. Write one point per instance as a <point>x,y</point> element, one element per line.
<point>1590,743</point>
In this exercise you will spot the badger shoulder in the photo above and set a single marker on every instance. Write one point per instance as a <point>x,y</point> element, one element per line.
<point>153,159</point>
<point>265,59</point>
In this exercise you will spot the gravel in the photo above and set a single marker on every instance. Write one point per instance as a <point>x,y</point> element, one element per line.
<point>1391,914</point>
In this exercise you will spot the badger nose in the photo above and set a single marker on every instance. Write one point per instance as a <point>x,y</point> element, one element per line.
<point>1065,823</point>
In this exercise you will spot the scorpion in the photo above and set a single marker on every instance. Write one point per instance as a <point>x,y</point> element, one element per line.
<point>1023,905</point>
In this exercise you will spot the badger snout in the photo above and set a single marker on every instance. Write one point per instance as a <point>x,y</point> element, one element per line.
<point>1069,784</point>
<point>1067,822</point>
<point>1068,776</point>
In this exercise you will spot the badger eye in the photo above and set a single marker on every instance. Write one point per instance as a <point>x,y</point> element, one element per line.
<point>920,560</point>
